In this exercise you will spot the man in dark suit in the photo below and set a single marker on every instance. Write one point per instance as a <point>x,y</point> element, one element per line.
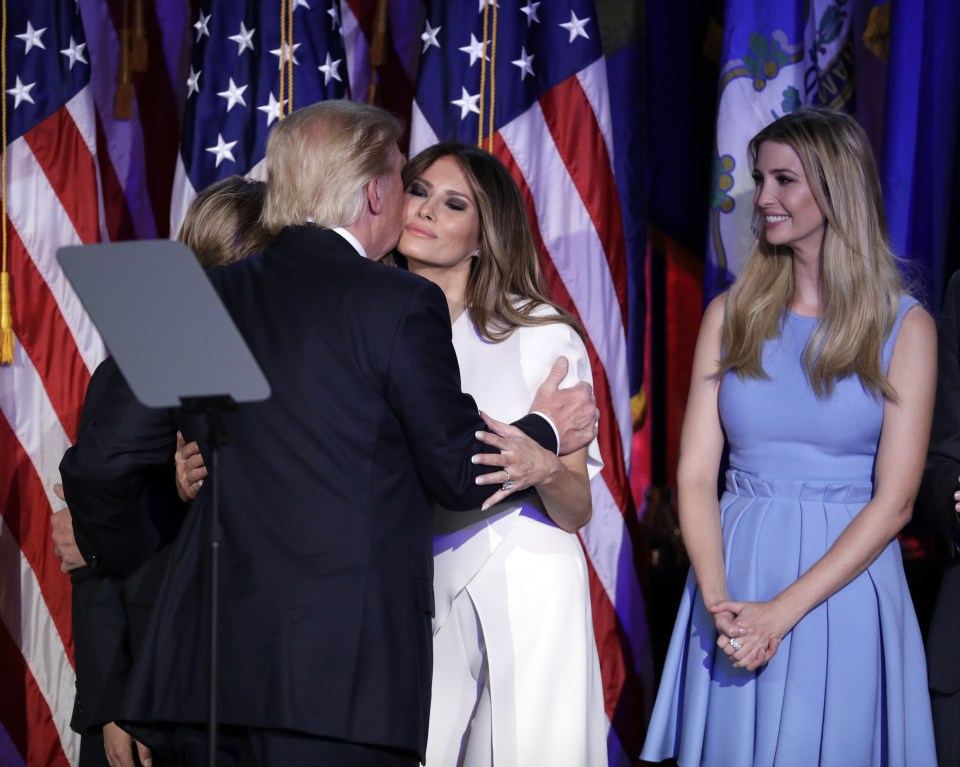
<point>936,508</point>
<point>326,489</point>
<point>112,594</point>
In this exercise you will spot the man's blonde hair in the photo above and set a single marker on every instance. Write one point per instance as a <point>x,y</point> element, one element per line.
<point>319,160</point>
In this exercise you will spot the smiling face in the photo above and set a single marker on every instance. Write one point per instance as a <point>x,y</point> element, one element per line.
<point>442,220</point>
<point>789,214</point>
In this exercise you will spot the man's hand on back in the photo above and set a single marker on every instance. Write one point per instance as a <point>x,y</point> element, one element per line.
<point>573,410</point>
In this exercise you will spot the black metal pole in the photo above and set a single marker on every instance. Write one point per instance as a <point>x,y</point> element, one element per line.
<point>214,595</point>
<point>213,408</point>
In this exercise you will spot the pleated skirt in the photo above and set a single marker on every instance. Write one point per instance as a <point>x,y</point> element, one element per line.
<point>847,685</point>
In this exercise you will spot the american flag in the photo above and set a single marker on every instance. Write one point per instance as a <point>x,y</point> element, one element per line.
<point>252,63</point>
<point>51,196</point>
<point>527,80</point>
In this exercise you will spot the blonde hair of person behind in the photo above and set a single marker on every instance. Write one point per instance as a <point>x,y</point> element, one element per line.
<point>507,266</point>
<point>319,160</point>
<point>860,283</point>
<point>222,224</point>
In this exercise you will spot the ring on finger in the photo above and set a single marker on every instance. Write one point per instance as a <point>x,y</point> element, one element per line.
<point>735,645</point>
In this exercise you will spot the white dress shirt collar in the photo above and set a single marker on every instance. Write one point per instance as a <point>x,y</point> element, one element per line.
<point>351,239</point>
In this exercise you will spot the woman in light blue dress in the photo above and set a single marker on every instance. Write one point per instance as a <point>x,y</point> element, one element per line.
<point>796,642</point>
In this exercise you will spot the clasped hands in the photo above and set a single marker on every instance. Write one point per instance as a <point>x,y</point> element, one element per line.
<point>750,632</point>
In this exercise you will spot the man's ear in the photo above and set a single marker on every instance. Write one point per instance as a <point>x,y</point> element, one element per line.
<point>374,194</point>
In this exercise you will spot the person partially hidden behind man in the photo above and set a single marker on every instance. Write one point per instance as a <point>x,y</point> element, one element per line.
<point>113,596</point>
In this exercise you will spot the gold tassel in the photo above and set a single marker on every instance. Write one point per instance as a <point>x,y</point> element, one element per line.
<point>6,315</point>
<point>876,38</point>
<point>286,44</point>
<point>123,99</point>
<point>140,50</point>
<point>290,39</point>
<point>638,408</point>
<point>6,321</point>
<point>493,76</point>
<point>483,70</point>
<point>378,49</point>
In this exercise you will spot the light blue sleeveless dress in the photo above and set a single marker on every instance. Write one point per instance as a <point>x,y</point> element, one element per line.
<point>847,686</point>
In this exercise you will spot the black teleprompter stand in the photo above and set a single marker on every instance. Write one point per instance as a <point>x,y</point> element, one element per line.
<point>177,346</point>
<point>212,409</point>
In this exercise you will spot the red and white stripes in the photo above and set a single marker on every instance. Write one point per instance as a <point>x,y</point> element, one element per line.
<point>52,201</point>
<point>559,154</point>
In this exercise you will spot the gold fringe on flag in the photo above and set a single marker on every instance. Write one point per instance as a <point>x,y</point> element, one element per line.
<point>283,48</point>
<point>483,69</point>
<point>286,58</point>
<point>876,38</point>
<point>290,56</point>
<point>487,105</point>
<point>493,74</point>
<point>6,315</point>
<point>139,50</point>
<point>378,49</point>
<point>123,99</point>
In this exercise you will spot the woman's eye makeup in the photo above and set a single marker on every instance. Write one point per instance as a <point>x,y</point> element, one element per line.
<point>781,179</point>
<point>454,202</point>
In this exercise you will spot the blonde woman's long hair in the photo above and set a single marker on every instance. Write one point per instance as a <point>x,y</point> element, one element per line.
<point>507,267</point>
<point>860,284</point>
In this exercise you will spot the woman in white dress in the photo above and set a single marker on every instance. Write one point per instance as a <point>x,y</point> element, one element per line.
<point>516,679</point>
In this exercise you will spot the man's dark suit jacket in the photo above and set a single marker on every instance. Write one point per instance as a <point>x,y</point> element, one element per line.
<point>935,504</point>
<point>125,508</point>
<point>327,492</point>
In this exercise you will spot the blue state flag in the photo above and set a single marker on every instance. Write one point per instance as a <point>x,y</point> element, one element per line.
<point>776,58</point>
